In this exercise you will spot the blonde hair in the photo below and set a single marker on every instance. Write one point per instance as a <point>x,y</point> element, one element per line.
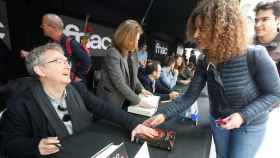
<point>127,31</point>
<point>223,27</point>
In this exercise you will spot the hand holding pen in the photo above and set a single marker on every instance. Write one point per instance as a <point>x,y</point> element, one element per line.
<point>49,145</point>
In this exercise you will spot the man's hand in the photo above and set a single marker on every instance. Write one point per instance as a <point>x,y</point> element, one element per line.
<point>233,121</point>
<point>173,95</point>
<point>155,120</point>
<point>145,92</point>
<point>48,145</point>
<point>24,53</point>
<point>141,129</point>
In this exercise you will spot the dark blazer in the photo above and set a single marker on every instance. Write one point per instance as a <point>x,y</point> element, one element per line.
<point>160,90</point>
<point>115,81</point>
<point>24,123</point>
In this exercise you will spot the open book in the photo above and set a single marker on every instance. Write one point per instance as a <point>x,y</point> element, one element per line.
<point>148,110</point>
<point>112,151</point>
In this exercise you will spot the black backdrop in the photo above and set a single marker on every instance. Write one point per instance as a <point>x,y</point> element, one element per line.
<point>163,22</point>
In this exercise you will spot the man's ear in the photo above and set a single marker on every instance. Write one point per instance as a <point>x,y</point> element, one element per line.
<point>38,71</point>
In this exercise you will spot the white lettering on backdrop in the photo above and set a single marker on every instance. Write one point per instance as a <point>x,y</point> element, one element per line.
<point>160,49</point>
<point>95,40</point>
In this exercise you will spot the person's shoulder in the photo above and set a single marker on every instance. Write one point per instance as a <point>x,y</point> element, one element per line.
<point>112,49</point>
<point>18,101</point>
<point>79,86</point>
<point>73,42</point>
<point>18,87</point>
<point>146,79</point>
<point>113,52</point>
<point>256,47</point>
<point>257,50</point>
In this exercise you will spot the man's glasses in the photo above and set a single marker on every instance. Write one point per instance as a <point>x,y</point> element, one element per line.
<point>58,61</point>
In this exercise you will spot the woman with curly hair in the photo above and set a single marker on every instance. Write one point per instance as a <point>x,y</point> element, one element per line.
<point>242,80</point>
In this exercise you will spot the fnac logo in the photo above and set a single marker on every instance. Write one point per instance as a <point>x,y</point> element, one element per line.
<point>160,49</point>
<point>95,40</point>
<point>2,33</point>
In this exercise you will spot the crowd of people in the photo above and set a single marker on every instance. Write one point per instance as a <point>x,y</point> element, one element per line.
<point>242,81</point>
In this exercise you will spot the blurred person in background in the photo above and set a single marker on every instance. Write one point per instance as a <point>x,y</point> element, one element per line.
<point>267,22</point>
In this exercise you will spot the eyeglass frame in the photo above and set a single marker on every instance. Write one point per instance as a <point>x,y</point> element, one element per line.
<point>58,61</point>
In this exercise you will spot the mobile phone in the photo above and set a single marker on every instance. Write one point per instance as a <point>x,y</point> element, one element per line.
<point>220,121</point>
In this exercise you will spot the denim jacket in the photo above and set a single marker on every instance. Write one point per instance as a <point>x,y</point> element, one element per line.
<point>168,77</point>
<point>233,88</point>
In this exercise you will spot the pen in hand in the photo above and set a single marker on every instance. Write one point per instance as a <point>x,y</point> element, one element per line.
<point>58,145</point>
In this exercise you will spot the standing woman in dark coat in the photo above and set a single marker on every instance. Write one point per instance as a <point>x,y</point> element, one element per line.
<point>119,82</point>
<point>242,81</point>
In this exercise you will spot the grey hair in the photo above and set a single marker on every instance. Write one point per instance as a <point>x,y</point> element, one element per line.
<point>55,21</point>
<point>34,58</point>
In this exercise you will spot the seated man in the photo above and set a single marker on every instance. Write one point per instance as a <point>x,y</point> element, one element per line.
<point>151,82</point>
<point>53,108</point>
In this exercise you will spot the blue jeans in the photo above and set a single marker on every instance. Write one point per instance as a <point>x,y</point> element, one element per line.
<point>243,142</point>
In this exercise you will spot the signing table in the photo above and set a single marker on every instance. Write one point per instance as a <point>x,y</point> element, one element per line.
<point>191,141</point>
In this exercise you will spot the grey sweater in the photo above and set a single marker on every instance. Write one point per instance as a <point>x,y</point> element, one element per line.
<point>234,87</point>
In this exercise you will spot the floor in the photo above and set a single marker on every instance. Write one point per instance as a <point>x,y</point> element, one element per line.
<point>270,146</point>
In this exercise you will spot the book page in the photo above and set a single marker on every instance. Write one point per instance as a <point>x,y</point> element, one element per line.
<point>106,151</point>
<point>143,152</point>
<point>154,100</point>
<point>142,110</point>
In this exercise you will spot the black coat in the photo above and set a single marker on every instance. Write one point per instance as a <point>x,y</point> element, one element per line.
<point>24,124</point>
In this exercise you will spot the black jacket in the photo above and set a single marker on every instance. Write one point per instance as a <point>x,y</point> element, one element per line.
<point>24,124</point>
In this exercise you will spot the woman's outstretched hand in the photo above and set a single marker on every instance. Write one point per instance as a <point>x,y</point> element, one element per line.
<point>155,120</point>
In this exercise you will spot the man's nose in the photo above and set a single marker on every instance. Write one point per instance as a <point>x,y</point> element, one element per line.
<point>67,64</point>
<point>258,23</point>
